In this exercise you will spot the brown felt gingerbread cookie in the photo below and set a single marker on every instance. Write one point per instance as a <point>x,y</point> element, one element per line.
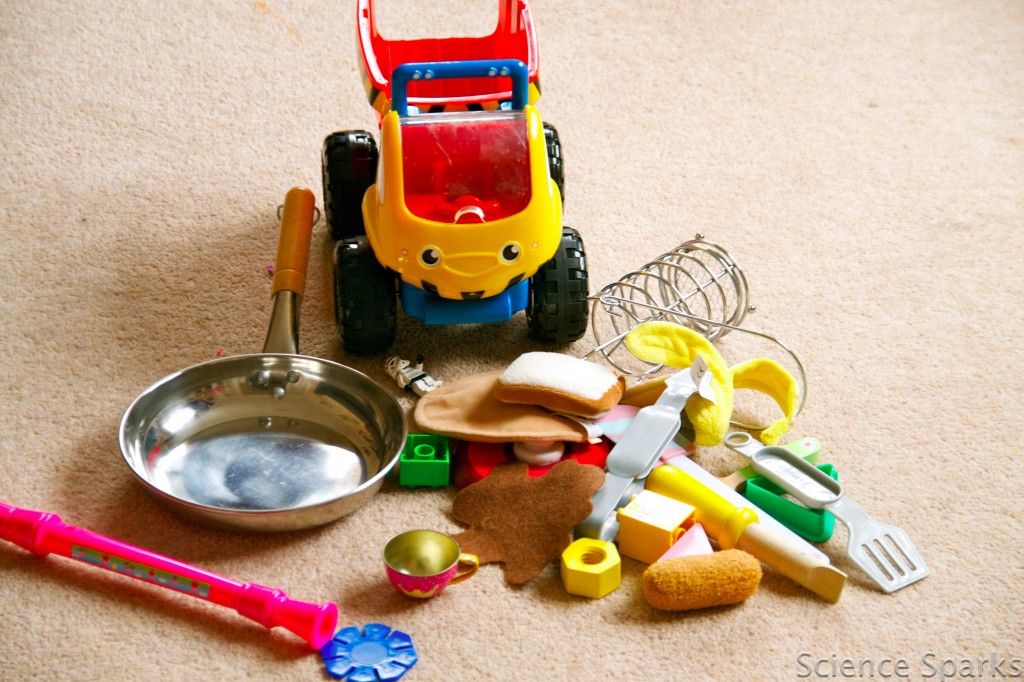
<point>522,521</point>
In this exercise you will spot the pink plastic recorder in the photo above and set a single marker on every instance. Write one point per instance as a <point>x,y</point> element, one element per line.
<point>42,533</point>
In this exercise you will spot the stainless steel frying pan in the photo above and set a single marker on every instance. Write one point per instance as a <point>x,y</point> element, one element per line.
<point>267,442</point>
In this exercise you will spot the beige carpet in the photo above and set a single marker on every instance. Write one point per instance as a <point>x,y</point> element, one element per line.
<point>862,161</point>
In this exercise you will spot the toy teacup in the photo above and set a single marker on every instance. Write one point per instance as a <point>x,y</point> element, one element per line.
<point>421,563</point>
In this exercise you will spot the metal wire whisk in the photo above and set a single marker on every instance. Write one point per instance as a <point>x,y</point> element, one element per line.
<point>697,285</point>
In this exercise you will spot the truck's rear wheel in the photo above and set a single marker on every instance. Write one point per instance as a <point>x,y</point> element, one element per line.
<point>365,298</point>
<point>349,163</point>
<point>556,167</point>
<point>557,311</point>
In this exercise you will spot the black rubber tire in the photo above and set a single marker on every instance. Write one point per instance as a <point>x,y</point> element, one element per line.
<point>365,298</point>
<point>557,311</point>
<point>556,167</point>
<point>349,164</point>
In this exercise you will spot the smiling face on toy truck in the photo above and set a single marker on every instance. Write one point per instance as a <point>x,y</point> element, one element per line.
<point>463,206</point>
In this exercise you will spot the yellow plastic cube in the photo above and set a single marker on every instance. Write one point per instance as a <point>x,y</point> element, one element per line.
<point>650,524</point>
<point>591,568</point>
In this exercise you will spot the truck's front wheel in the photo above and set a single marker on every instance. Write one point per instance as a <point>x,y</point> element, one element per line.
<point>365,298</point>
<point>557,311</point>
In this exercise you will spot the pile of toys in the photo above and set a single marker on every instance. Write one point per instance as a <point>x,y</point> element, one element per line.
<point>553,415</point>
<point>547,470</point>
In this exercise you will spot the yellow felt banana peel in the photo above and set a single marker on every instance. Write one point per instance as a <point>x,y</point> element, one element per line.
<point>767,376</point>
<point>667,343</point>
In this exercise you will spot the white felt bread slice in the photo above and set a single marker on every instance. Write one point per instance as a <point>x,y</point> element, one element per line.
<point>560,383</point>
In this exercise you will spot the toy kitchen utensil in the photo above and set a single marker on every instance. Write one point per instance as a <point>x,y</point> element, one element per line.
<point>42,533</point>
<point>882,551</point>
<point>734,522</point>
<point>638,449</point>
<point>698,285</point>
<point>269,442</point>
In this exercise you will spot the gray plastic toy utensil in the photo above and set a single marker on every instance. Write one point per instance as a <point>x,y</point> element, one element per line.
<point>882,551</point>
<point>638,449</point>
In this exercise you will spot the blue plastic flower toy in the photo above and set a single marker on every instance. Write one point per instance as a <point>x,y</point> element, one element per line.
<point>377,654</point>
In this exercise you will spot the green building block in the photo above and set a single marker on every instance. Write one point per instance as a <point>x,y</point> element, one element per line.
<point>425,461</point>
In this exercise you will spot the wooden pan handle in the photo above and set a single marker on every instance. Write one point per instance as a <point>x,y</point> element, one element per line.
<point>293,244</point>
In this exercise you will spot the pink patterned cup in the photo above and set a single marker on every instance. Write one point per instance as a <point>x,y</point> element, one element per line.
<point>421,563</point>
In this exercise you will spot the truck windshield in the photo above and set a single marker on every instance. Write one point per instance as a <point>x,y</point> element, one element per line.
<point>466,166</point>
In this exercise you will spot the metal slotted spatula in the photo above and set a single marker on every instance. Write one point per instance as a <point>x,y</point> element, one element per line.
<point>882,551</point>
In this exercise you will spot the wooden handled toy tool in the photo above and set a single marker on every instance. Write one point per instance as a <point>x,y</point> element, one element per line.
<point>733,522</point>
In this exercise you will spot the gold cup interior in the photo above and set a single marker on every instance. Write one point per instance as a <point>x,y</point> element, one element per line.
<point>421,553</point>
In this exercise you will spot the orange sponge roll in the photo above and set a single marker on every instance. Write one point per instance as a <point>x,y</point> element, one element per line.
<point>697,582</point>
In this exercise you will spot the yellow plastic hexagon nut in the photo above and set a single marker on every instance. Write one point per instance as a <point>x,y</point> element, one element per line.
<point>591,568</point>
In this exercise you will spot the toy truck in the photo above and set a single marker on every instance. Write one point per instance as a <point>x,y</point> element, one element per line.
<point>458,212</point>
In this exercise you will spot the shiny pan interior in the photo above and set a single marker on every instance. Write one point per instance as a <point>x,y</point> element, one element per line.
<point>263,442</point>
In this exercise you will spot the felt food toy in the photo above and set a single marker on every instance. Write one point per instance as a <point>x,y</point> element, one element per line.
<point>467,409</point>
<point>698,582</point>
<point>522,521</point>
<point>561,383</point>
<point>667,343</point>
